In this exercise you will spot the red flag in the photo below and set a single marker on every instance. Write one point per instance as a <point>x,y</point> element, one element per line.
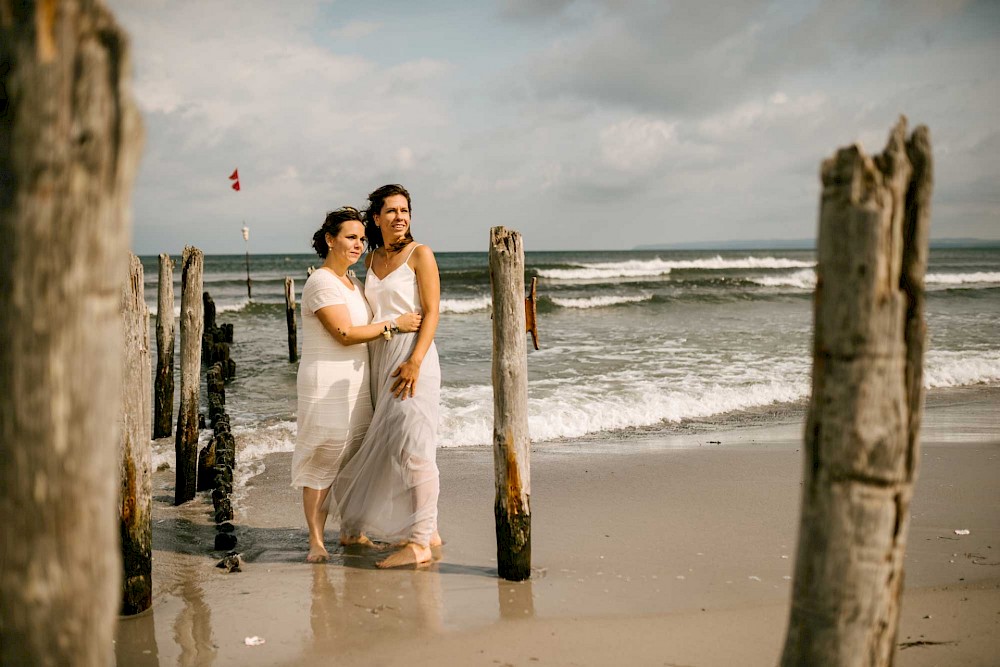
<point>235,176</point>
<point>236,186</point>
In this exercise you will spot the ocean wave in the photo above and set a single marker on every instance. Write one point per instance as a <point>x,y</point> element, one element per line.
<point>600,301</point>
<point>957,369</point>
<point>804,279</point>
<point>465,305</point>
<point>659,267</point>
<point>572,412</point>
<point>236,307</point>
<point>988,277</point>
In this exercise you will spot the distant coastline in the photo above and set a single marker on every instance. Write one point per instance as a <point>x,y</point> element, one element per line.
<point>801,244</point>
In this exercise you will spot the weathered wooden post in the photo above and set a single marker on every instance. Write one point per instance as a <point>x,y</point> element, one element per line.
<point>861,439</point>
<point>70,137</point>
<point>136,495</point>
<point>192,324</point>
<point>293,346</point>
<point>511,444</point>
<point>164,386</point>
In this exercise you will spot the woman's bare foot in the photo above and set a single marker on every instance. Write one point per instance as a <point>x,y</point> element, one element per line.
<point>436,541</point>
<point>411,554</point>
<point>317,554</point>
<point>356,541</point>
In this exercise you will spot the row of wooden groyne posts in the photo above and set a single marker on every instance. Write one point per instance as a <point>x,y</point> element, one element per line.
<point>203,344</point>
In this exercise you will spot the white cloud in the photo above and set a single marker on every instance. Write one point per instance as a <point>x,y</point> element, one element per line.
<point>637,143</point>
<point>355,30</point>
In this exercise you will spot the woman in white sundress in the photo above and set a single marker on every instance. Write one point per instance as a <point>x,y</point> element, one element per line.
<point>334,400</point>
<point>390,487</point>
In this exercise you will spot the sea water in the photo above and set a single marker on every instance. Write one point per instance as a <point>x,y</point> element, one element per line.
<point>630,341</point>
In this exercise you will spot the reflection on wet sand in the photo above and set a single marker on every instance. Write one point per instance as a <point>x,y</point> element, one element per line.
<point>516,599</point>
<point>193,625</point>
<point>350,605</point>
<point>136,638</point>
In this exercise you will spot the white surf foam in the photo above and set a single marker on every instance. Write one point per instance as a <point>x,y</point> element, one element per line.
<point>659,267</point>
<point>981,277</point>
<point>219,308</point>
<point>465,305</point>
<point>957,369</point>
<point>600,301</point>
<point>576,410</point>
<point>804,279</point>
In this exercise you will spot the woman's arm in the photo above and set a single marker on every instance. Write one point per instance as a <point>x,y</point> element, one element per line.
<point>429,284</point>
<point>337,320</point>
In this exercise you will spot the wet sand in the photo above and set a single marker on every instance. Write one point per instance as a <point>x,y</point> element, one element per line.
<point>651,549</point>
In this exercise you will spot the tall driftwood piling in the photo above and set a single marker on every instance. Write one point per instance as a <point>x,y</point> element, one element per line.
<point>192,323</point>
<point>293,346</point>
<point>70,138</point>
<point>511,444</point>
<point>861,439</point>
<point>163,411</point>
<point>136,494</point>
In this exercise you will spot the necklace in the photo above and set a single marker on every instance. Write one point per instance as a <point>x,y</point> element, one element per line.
<point>393,249</point>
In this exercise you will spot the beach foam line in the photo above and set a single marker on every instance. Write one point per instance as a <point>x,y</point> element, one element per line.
<point>986,277</point>
<point>462,306</point>
<point>573,411</point>
<point>599,301</point>
<point>958,369</point>
<point>660,267</point>
<point>804,279</point>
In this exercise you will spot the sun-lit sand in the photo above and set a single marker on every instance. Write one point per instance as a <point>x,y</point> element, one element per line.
<point>657,550</point>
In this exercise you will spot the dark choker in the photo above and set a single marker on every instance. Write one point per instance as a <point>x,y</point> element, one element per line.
<point>396,247</point>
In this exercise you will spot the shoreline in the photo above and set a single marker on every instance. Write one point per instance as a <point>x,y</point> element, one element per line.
<point>668,548</point>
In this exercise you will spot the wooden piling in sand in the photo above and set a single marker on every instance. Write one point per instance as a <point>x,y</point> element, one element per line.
<point>135,462</point>
<point>293,346</point>
<point>861,439</point>
<point>70,141</point>
<point>163,411</point>
<point>192,324</point>
<point>511,444</point>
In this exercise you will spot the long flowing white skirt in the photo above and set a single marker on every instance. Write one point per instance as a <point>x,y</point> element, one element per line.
<point>389,487</point>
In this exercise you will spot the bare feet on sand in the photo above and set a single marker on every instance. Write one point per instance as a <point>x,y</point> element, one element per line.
<point>436,541</point>
<point>410,554</point>
<point>317,554</point>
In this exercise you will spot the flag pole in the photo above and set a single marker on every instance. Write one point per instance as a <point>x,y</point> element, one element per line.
<point>246,240</point>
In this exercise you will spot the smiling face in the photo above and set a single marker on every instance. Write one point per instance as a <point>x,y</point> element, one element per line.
<point>349,242</point>
<point>394,219</point>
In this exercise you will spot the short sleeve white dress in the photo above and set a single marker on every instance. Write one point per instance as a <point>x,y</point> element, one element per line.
<point>334,395</point>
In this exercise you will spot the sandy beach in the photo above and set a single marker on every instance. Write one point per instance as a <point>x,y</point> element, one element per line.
<point>649,549</point>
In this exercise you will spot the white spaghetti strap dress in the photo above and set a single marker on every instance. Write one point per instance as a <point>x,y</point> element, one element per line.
<point>334,394</point>
<point>389,488</point>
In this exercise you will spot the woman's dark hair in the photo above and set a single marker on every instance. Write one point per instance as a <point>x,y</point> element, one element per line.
<point>334,221</point>
<point>376,201</point>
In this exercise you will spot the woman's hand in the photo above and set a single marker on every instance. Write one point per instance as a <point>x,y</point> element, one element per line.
<point>406,376</point>
<point>409,322</point>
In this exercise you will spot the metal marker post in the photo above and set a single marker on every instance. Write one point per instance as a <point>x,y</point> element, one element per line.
<point>246,240</point>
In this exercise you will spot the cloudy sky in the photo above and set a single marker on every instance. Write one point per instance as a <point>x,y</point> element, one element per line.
<point>585,124</point>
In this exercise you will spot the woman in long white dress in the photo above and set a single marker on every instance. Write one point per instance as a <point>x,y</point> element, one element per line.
<point>334,399</point>
<point>390,486</point>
